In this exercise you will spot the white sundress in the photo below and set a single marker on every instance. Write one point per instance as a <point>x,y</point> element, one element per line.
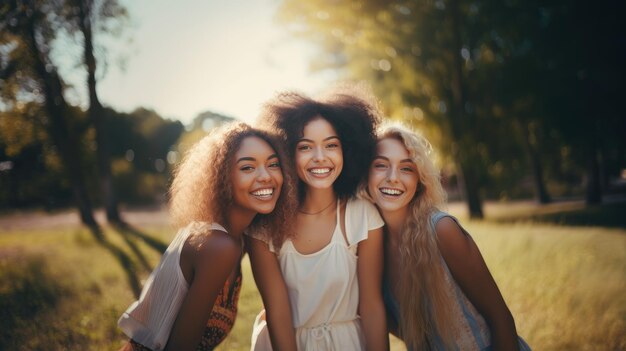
<point>323,287</point>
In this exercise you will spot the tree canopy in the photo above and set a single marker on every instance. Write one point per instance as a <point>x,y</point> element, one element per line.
<point>509,91</point>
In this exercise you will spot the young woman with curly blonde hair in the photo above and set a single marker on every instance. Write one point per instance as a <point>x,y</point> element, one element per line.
<point>322,287</point>
<point>437,288</point>
<point>228,181</point>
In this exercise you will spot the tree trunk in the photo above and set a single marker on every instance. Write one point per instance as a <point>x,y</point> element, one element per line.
<point>605,172</point>
<point>459,124</point>
<point>56,108</point>
<point>594,188</point>
<point>469,185</point>
<point>95,113</point>
<point>541,193</point>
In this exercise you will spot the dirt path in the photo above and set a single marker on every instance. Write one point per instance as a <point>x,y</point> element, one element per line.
<point>30,220</point>
<point>158,216</point>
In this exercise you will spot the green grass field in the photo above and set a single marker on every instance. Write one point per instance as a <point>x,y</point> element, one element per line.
<point>60,289</point>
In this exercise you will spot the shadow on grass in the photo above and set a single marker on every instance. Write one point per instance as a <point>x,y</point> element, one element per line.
<point>123,258</point>
<point>135,249</point>
<point>127,263</point>
<point>605,215</point>
<point>129,266</point>
<point>26,290</point>
<point>127,229</point>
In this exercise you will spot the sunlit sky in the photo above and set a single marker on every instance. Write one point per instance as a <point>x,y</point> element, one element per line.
<point>190,56</point>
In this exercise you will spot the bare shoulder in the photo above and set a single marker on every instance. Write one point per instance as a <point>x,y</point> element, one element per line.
<point>212,245</point>
<point>451,237</point>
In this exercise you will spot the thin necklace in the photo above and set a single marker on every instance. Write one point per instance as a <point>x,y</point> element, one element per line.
<point>320,211</point>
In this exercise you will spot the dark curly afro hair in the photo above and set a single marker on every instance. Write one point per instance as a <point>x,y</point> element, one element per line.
<point>353,113</point>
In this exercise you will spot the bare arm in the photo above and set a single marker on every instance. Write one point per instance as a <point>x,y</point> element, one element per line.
<point>473,277</point>
<point>371,306</point>
<point>269,281</point>
<point>213,262</point>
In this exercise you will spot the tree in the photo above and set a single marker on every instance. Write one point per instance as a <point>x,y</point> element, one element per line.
<point>473,72</point>
<point>85,15</point>
<point>142,149</point>
<point>512,83</point>
<point>414,51</point>
<point>583,53</point>
<point>27,36</point>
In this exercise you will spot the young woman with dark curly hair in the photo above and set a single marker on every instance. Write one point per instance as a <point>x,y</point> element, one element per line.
<point>322,287</point>
<point>227,182</point>
<point>437,287</point>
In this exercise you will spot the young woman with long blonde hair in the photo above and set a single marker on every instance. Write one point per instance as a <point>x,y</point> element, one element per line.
<point>438,290</point>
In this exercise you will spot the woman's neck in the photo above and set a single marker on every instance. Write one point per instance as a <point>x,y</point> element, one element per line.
<point>316,200</point>
<point>394,220</point>
<point>238,221</point>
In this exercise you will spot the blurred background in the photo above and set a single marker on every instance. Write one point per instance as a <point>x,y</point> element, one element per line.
<point>99,99</point>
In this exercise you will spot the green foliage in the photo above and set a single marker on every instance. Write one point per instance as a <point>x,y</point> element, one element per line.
<point>145,133</point>
<point>499,87</point>
<point>35,174</point>
<point>144,148</point>
<point>138,141</point>
<point>199,127</point>
<point>105,16</point>
<point>29,32</point>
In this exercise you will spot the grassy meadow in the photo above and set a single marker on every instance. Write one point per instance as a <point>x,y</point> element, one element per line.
<point>564,280</point>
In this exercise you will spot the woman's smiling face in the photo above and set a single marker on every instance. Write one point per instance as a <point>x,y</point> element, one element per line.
<point>319,157</point>
<point>393,176</point>
<point>257,176</point>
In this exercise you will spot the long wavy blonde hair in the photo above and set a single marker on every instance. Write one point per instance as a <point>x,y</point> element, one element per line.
<point>202,187</point>
<point>423,292</point>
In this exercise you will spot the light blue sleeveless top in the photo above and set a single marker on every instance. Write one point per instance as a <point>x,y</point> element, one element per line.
<point>470,329</point>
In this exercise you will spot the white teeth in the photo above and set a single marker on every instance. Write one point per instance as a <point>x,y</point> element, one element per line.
<point>389,191</point>
<point>263,192</point>
<point>320,170</point>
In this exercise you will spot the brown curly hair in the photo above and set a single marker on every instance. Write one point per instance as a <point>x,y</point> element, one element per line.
<point>352,111</point>
<point>201,190</point>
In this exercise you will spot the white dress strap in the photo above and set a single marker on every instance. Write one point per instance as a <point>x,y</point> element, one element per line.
<point>215,226</point>
<point>339,232</point>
